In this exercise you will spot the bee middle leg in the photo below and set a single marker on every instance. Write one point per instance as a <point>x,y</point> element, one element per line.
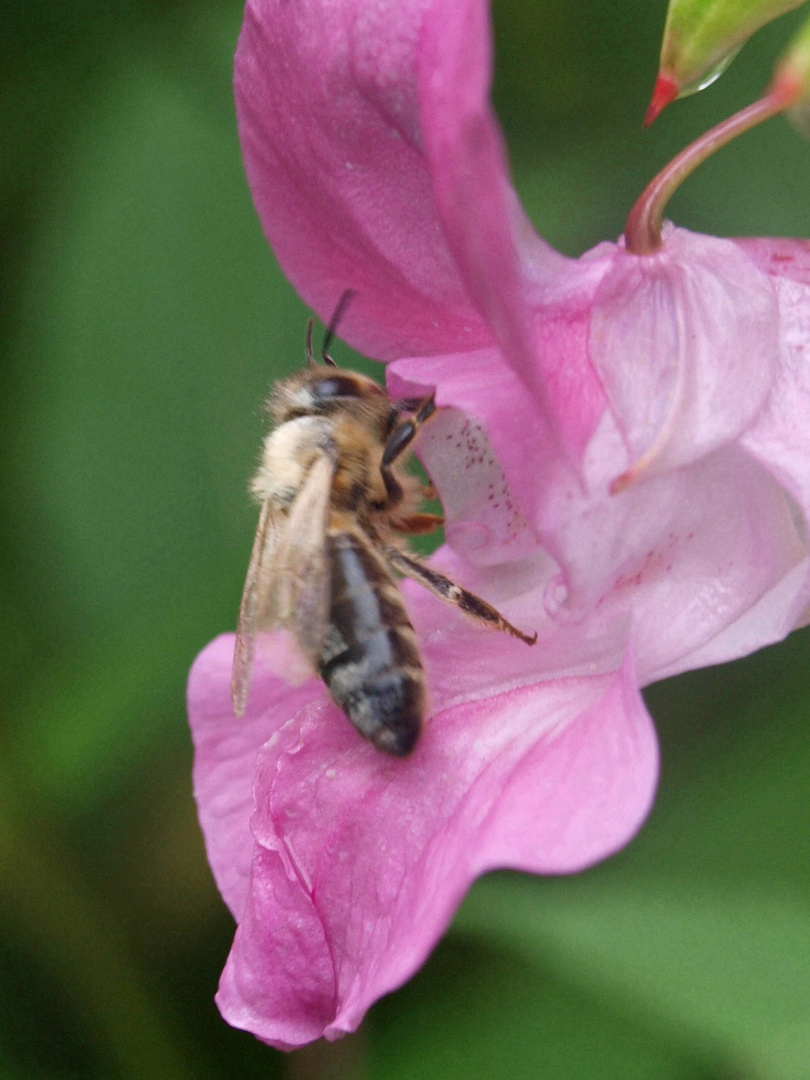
<point>418,524</point>
<point>447,590</point>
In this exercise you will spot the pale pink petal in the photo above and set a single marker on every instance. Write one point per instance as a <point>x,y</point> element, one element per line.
<point>328,113</point>
<point>485,450</point>
<point>781,438</point>
<point>688,551</point>
<point>496,464</point>
<point>728,547</point>
<point>779,257</point>
<point>562,327</point>
<point>768,620</point>
<point>708,566</point>
<point>672,333</point>
<point>360,860</point>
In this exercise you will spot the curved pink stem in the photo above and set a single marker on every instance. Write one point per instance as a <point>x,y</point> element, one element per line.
<point>642,233</point>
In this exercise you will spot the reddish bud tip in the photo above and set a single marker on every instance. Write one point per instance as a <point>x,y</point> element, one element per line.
<point>665,91</point>
<point>787,87</point>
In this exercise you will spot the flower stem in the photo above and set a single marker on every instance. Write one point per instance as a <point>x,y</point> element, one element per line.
<point>642,233</point>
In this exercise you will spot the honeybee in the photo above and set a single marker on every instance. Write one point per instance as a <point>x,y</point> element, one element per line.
<point>336,506</point>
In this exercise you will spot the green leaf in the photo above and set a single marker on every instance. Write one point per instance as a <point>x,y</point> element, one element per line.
<point>81,731</point>
<point>726,972</point>
<point>479,1011</point>
<point>151,322</point>
<point>736,775</point>
<point>144,426</point>
<point>701,38</point>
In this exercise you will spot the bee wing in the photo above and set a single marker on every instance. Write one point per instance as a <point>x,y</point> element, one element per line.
<point>265,543</point>
<point>287,581</point>
<point>298,596</point>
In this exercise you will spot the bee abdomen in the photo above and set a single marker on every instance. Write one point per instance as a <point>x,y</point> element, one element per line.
<point>370,661</point>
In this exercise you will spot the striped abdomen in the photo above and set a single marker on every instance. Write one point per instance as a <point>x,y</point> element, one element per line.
<point>370,661</point>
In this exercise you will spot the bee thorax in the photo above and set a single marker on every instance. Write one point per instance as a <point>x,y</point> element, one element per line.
<point>287,456</point>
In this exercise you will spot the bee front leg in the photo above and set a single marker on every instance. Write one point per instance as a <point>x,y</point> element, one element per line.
<point>403,434</point>
<point>398,442</point>
<point>447,590</point>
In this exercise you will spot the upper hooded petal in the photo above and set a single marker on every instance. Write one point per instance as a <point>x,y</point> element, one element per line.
<point>328,113</point>
<point>494,246</point>
<point>376,163</point>
<point>359,861</point>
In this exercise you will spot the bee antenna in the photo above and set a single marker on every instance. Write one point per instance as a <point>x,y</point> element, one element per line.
<point>310,357</point>
<point>342,304</point>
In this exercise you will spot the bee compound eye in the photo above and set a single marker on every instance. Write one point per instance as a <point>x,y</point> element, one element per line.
<point>335,386</point>
<point>349,385</point>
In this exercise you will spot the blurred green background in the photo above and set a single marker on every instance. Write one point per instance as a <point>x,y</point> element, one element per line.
<point>141,319</point>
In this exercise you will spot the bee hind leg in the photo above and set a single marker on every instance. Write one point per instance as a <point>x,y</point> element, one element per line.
<point>445,589</point>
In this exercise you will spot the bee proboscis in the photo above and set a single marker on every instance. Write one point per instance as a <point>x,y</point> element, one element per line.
<point>336,506</point>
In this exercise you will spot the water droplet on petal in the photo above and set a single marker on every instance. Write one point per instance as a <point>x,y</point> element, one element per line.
<point>466,536</point>
<point>555,595</point>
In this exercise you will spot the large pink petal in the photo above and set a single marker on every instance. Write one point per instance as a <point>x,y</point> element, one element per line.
<point>225,757</point>
<point>535,301</point>
<point>328,112</point>
<point>360,861</point>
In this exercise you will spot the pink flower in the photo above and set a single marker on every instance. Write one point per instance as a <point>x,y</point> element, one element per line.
<point>623,461</point>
